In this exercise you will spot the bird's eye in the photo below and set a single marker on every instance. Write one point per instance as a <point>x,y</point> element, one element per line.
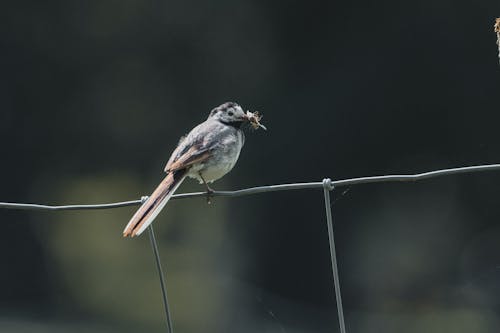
<point>230,113</point>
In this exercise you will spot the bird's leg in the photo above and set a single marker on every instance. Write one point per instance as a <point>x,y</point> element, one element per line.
<point>209,190</point>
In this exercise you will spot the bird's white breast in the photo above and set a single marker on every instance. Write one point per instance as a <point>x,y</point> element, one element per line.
<point>223,159</point>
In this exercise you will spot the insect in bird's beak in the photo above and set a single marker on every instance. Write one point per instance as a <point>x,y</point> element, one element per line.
<point>254,119</point>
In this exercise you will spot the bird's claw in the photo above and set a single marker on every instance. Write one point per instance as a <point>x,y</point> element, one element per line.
<point>209,194</point>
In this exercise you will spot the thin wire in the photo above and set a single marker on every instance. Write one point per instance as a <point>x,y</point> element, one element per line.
<point>25,206</point>
<point>416,177</point>
<point>152,238</point>
<point>270,188</point>
<point>327,187</point>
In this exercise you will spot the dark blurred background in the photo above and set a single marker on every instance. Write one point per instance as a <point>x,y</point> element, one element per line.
<point>94,96</point>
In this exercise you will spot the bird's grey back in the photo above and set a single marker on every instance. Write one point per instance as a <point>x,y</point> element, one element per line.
<point>209,135</point>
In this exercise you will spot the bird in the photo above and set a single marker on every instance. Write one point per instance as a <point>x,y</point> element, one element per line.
<point>208,152</point>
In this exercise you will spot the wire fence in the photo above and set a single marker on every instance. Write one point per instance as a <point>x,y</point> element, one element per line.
<point>327,185</point>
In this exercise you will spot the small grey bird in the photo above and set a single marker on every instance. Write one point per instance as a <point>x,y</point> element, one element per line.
<point>207,153</point>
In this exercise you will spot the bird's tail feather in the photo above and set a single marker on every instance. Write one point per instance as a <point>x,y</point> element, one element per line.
<point>155,203</point>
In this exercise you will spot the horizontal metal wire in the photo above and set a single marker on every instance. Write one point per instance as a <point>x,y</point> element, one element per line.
<point>269,188</point>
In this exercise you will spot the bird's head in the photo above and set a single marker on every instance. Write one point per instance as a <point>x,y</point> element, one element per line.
<point>232,114</point>
<point>229,113</point>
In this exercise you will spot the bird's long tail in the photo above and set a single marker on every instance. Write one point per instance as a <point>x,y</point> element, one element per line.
<point>155,203</point>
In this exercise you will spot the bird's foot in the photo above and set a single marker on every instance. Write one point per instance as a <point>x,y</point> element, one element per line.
<point>210,192</point>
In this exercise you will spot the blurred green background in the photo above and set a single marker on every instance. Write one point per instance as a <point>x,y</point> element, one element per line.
<point>95,95</point>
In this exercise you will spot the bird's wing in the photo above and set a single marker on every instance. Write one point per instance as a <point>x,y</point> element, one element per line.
<point>195,154</point>
<point>195,147</point>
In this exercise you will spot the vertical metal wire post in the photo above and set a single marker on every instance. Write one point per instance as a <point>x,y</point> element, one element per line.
<point>327,187</point>
<point>154,245</point>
